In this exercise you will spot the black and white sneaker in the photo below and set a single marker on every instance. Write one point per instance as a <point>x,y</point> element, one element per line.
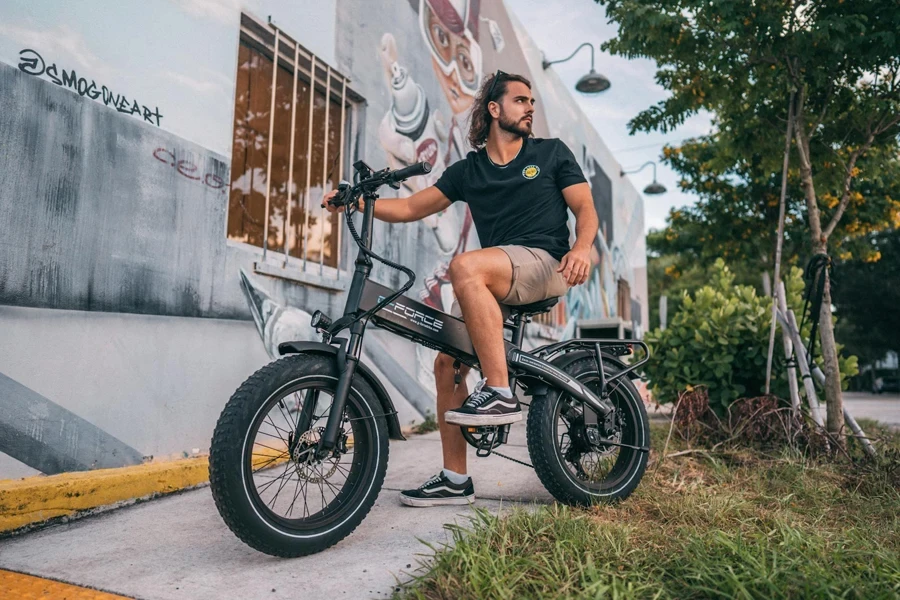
<point>438,491</point>
<point>485,406</point>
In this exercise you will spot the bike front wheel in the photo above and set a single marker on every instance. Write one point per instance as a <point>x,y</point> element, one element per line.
<point>268,486</point>
<point>575,471</point>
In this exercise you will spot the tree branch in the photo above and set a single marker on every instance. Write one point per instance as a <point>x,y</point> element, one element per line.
<point>845,197</point>
<point>809,191</point>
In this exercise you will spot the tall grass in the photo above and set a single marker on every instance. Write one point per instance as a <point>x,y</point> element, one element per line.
<point>734,524</point>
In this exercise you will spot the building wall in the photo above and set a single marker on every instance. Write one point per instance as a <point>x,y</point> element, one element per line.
<point>122,301</point>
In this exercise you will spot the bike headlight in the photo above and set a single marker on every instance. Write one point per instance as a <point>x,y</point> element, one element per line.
<point>320,321</point>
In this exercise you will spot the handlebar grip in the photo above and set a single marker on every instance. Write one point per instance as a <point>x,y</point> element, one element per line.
<point>415,170</point>
<point>341,197</point>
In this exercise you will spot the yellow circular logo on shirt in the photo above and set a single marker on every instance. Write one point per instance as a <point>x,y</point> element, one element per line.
<point>530,172</point>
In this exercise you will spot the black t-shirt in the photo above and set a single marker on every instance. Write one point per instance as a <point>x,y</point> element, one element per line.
<point>520,203</point>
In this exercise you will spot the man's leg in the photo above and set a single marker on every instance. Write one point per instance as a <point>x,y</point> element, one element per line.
<point>455,487</point>
<point>480,278</point>
<point>452,442</point>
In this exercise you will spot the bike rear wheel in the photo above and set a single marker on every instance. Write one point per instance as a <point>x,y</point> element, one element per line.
<point>572,469</point>
<point>267,485</point>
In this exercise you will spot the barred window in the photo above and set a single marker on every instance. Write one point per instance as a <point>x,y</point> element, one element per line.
<point>289,148</point>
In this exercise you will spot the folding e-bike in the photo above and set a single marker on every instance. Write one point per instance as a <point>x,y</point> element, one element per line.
<point>300,451</point>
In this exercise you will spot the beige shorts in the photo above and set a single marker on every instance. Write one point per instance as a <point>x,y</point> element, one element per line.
<point>534,277</point>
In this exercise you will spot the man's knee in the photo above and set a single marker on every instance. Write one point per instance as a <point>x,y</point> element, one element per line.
<point>462,267</point>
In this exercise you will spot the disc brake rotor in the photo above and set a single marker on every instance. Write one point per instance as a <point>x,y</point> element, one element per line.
<point>304,457</point>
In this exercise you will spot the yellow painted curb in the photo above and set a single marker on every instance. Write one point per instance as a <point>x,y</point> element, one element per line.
<point>36,499</point>
<point>26,587</point>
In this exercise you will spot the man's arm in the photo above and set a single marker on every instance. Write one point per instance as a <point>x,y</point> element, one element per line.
<point>576,265</point>
<point>402,210</point>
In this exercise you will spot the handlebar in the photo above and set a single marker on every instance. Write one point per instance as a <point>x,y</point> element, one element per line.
<point>372,181</point>
<point>422,168</point>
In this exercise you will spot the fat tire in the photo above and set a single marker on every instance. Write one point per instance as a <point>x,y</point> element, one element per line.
<point>541,436</point>
<point>226,456</point>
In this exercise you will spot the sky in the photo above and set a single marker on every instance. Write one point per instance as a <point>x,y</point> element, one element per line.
<point>560,26</point>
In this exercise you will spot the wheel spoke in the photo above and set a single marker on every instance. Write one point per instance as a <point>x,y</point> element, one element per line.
<point>273,441</point>
<point>280,478</point>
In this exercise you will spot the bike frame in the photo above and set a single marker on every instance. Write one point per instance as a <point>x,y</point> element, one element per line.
<point>445,333</point>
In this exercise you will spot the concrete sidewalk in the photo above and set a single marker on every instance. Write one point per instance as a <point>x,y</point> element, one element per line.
<point>177,547</point>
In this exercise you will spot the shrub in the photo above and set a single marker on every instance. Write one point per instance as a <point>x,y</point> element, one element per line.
<point>719,339</point>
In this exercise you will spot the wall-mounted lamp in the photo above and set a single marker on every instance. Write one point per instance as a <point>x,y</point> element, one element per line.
<point>593,82</point>
<point>655,188</point>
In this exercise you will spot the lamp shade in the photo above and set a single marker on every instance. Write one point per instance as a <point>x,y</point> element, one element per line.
<point>592,83</point>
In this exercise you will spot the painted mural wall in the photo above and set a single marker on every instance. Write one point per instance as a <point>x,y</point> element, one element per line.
<point>128,311</point>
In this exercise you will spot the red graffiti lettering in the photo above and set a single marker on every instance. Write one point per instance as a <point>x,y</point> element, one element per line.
<point>188,169</point>
<point>217,182</point>
<point>165,160</point>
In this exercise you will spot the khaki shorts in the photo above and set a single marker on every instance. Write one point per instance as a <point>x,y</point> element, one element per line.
<point>534,278</point>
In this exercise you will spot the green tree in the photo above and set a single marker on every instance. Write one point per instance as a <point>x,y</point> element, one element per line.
<point>737,208</point>
<point>741,61</point>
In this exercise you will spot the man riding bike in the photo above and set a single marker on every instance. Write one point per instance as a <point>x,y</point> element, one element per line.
<point>517,188</point>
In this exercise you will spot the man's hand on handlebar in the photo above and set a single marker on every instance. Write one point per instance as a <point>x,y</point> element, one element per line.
<point>339,209</point>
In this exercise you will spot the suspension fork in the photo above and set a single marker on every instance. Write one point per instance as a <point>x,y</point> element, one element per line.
<point>347,370</point>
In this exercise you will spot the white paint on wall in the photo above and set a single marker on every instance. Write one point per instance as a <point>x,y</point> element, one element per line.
<point>179,56</point>
<point>156,383</point>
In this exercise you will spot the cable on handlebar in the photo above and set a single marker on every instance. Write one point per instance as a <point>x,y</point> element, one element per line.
<point>370,184</point>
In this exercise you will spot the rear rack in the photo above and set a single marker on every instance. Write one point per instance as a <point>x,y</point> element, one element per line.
<point>613,347</point>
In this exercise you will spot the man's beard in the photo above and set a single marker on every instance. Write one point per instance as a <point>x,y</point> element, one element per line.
<point>520,128</point>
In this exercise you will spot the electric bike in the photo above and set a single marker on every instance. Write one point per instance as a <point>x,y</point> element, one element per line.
<point>300,451</point>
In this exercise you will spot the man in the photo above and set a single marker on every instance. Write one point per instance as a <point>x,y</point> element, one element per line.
<point>517,189</point>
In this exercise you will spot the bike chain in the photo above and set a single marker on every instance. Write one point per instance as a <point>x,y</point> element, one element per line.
<point>512,459</point>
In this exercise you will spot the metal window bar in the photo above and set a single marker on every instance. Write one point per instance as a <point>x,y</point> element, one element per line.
<point>323,211</point>
<point>289,231</point>
<point>312,99</point>
<point>341,169</point>
<point>269,149</point>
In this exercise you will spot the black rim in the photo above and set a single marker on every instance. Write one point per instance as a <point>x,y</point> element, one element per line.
<point>596,468</point>
<point>284,484</point>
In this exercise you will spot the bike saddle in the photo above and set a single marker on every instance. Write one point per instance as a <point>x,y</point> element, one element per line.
<point>534,308</point>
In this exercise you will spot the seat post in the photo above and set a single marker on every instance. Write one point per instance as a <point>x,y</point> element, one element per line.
<point>518,332</point>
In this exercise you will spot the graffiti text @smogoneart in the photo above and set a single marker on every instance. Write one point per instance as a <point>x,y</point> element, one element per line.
<point>32,63</point>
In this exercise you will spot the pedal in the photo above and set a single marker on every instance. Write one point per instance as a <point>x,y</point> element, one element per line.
<point>485,446</point>
<point>485,438</point>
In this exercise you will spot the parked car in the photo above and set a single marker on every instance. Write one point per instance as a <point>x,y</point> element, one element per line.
<point>886,380</point>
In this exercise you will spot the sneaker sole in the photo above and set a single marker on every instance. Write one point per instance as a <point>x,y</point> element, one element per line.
<point>476,420</point>
<point>426,502</point>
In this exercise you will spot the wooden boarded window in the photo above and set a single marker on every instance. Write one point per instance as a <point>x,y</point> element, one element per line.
<point>288,150</point>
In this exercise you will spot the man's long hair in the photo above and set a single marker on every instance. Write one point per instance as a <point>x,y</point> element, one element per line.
<point>480,118</point>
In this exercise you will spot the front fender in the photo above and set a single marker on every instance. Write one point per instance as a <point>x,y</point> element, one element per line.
<point>387,405</point>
